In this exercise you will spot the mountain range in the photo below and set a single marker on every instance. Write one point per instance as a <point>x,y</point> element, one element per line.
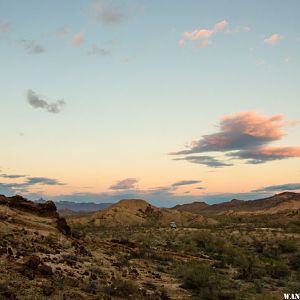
<point>281,202</point>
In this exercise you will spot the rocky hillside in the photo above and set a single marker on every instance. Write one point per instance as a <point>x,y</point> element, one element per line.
<point>24,212</point>
<point>40,258</point>
<point>132,212</point>
<point>283,202</point>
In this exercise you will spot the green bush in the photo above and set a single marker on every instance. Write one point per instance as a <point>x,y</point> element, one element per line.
<point>279,270</point>
<point>69,259</point>
<point>201,279</point>
<point>295,262</point>
<point>250,268</point>
<point>122,288</point>
<point>287,246</point>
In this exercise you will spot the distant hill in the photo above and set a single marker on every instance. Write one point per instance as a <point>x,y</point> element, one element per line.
<point>131,212</point>
<point>71,207</point>
<point>286,201</point>
<point>191,207</point>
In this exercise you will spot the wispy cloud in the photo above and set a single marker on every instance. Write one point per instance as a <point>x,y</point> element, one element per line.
<point>280,187</point>
<point>97,51</point>
<point>287,59</point>
<point>32,47</point>
<point>206,160</point>
<point>185,182</point>
<point>37,102</point>
<point>5,27</point>
<point>43,181</point>
<point>181,43</point>
<point>11,188</point>
<point>125,184</point>
<point>237,29</point>
<point>203,44</point>
<point>260,62</point>
<point>273,39</point>
<point>12,176</point>
<point>77,39</point>
<point>107,13</point>
<point>62,32</point>
<point>266,153</point>
<point>245,136</point>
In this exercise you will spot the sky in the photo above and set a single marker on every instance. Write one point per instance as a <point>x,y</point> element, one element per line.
<point>169,101</point>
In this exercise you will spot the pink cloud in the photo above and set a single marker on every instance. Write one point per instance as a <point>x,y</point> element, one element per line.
<point>204,33</point>
<point>220,26</point>
<point>203,44</point>
<point>245,136</point>
<point>181,43</point>
<point>77,39</point>
<point>254,124</point>
<point>198,34</point>
<point>273,39</point>
<point>278,151</point>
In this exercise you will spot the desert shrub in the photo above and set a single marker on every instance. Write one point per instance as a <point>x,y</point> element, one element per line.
<point>293,226</point>
<point>50,240</point>
<point>295,262</point>
<point>96,270</point>
<point>90,288</point>
<point>70,259</point>
<point>123,259</point>
<point>250,268</point>
<point>149,285</point>
<point>26,248</point>
<point>279,270</point>
<point>258,246</point>
<point>272,252</point>
<point>207,241</point>
<point>145,253</point>
<point>122,288</point>
<point>201,279</point>
<point>287,246</point>
<point>163,294</point>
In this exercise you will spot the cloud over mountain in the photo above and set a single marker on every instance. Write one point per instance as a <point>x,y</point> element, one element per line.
<point>125,184</point>
<point>279,187</point>
<point>11,188</point>
<point>245,136</point>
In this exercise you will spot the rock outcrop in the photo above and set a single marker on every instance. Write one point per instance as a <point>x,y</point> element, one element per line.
<point>46,210</point>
